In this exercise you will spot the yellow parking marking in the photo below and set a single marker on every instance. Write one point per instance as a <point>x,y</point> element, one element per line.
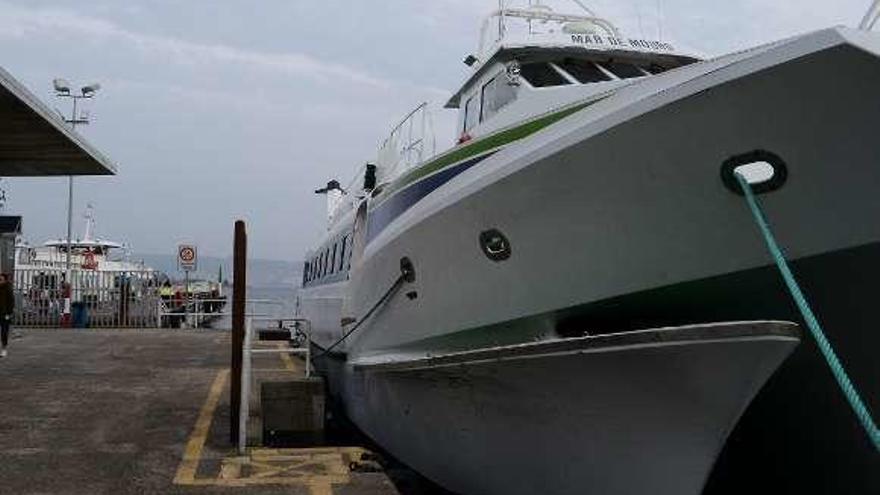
<point>286,359</point>
<point>317,469</point>
<point>186,472</point>
<point>320,489</point>
<point>230,470</point>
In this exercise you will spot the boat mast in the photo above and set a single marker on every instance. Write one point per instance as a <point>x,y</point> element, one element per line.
<point>90,222</point>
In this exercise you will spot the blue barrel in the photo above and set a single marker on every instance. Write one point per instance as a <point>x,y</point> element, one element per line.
<point>79,315</point>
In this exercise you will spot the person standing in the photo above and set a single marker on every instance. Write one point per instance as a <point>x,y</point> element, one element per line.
<point>7,306</point>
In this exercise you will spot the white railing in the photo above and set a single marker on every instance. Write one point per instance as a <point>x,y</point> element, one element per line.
<point>176,313</point>
<point>871,16</point>
<point>410,143</point>
<point>247,370</point>
<point>98,299</point>
<point>534,15</point>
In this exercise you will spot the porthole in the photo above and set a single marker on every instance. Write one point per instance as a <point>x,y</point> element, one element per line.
<point>495,245</point>
<point>763,170</point>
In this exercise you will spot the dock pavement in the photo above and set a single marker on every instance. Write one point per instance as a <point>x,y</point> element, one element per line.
<point>145,411</point>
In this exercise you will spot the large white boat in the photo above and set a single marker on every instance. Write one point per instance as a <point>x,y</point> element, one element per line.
<point>574,298</point>
<point>86,253</point>
<point>106,287</point>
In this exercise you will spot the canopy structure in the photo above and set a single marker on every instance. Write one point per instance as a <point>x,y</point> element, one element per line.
<point>35,141</point>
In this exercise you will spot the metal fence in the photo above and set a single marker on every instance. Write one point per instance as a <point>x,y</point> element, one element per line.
<point>98,299</point>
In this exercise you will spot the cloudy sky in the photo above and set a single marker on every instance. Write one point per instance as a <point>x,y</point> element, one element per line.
<point>218,110</point>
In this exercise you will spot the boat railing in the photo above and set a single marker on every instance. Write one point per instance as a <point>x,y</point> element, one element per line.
<point>534,15</point>
<point>411,142</point>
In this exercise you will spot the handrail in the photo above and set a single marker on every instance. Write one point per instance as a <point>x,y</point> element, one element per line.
<point>247,368</point>
<point>533,13</point>
<point>871,16</point>
<point>394,129</point>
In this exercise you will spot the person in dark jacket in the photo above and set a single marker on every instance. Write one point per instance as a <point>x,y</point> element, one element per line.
<point>7,306</point>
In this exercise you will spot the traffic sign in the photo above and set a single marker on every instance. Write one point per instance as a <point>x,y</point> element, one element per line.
<point>187,257</point>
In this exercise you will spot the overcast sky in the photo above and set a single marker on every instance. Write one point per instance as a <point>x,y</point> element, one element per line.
<point>239,109</point>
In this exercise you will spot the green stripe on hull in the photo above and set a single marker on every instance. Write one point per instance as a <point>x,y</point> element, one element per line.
<point>485,144</point>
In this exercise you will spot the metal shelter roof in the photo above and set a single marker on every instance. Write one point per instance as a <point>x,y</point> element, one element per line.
<point>35,141</point>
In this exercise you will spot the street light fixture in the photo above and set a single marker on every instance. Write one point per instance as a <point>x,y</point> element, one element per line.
<point>62,90</point>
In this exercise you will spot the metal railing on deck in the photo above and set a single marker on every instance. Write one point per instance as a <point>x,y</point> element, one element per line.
<point>410,143</point>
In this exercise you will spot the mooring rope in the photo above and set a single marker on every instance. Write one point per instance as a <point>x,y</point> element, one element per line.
<point>391,290</point>
<point>852,395</point>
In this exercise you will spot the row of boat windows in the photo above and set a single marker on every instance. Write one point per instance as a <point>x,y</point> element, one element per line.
<point>497,93</point>
<point>332,260</point>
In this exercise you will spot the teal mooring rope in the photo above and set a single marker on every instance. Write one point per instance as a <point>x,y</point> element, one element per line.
<point>852,395</point>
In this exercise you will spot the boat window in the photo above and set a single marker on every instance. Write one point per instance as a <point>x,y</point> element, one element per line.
<point>342,253</point>
<point>622,70</point>
<point>333,259</point>
<point>326,262</point>
<point>653,68</point>
<point>496,94</point>
<point>583,71</point>
<point>542,75</point>
<point>471,113</point>
<point>305,272</point>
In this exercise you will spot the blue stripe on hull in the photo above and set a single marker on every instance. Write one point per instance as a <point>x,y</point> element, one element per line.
<point>394,206</point>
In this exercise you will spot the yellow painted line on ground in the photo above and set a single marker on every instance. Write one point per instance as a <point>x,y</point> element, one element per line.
<point>230,470</point>
<point>294,466</point>
<point>286,359</point>
<point>186,471</point>
<point>317,488</point>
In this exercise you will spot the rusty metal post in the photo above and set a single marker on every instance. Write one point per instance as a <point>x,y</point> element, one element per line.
<point>239,293</point>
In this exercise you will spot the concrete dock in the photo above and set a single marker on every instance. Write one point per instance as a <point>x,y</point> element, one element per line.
<point>146,411</point>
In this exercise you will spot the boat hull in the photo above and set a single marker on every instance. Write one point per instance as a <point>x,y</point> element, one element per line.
<point>644,412</point>
<point>618,219</point>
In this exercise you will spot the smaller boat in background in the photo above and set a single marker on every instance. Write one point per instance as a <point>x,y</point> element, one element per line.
<point>88,253</point>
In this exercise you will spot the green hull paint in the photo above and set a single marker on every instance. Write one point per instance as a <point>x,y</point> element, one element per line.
<point>483,145</point>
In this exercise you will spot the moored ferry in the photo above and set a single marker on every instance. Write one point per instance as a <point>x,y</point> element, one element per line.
<point>575,297</point>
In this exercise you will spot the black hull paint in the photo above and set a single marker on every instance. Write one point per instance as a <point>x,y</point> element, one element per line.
<point>799,435</point>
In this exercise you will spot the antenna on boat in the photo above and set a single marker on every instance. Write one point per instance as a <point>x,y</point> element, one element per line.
<point>871,16</point>
<point>90,222</point>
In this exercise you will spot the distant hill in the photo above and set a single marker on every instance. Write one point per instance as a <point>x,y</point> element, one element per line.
<point>261,273</point>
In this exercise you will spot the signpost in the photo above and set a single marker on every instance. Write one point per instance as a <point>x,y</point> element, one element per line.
<point>188,261</point>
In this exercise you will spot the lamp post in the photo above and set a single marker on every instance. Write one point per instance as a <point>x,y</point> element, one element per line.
<point>62,90</point>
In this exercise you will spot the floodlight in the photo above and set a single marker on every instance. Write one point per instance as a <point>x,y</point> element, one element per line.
<point>90,89</point>
<point>61,85</point>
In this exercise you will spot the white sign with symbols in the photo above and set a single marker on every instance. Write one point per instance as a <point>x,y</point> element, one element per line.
<point>187,257</point>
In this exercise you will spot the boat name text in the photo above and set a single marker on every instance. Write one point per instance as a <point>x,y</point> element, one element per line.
<point>612,41</point>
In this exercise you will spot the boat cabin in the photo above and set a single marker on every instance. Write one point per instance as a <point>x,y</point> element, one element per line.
<point>540,61</point>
